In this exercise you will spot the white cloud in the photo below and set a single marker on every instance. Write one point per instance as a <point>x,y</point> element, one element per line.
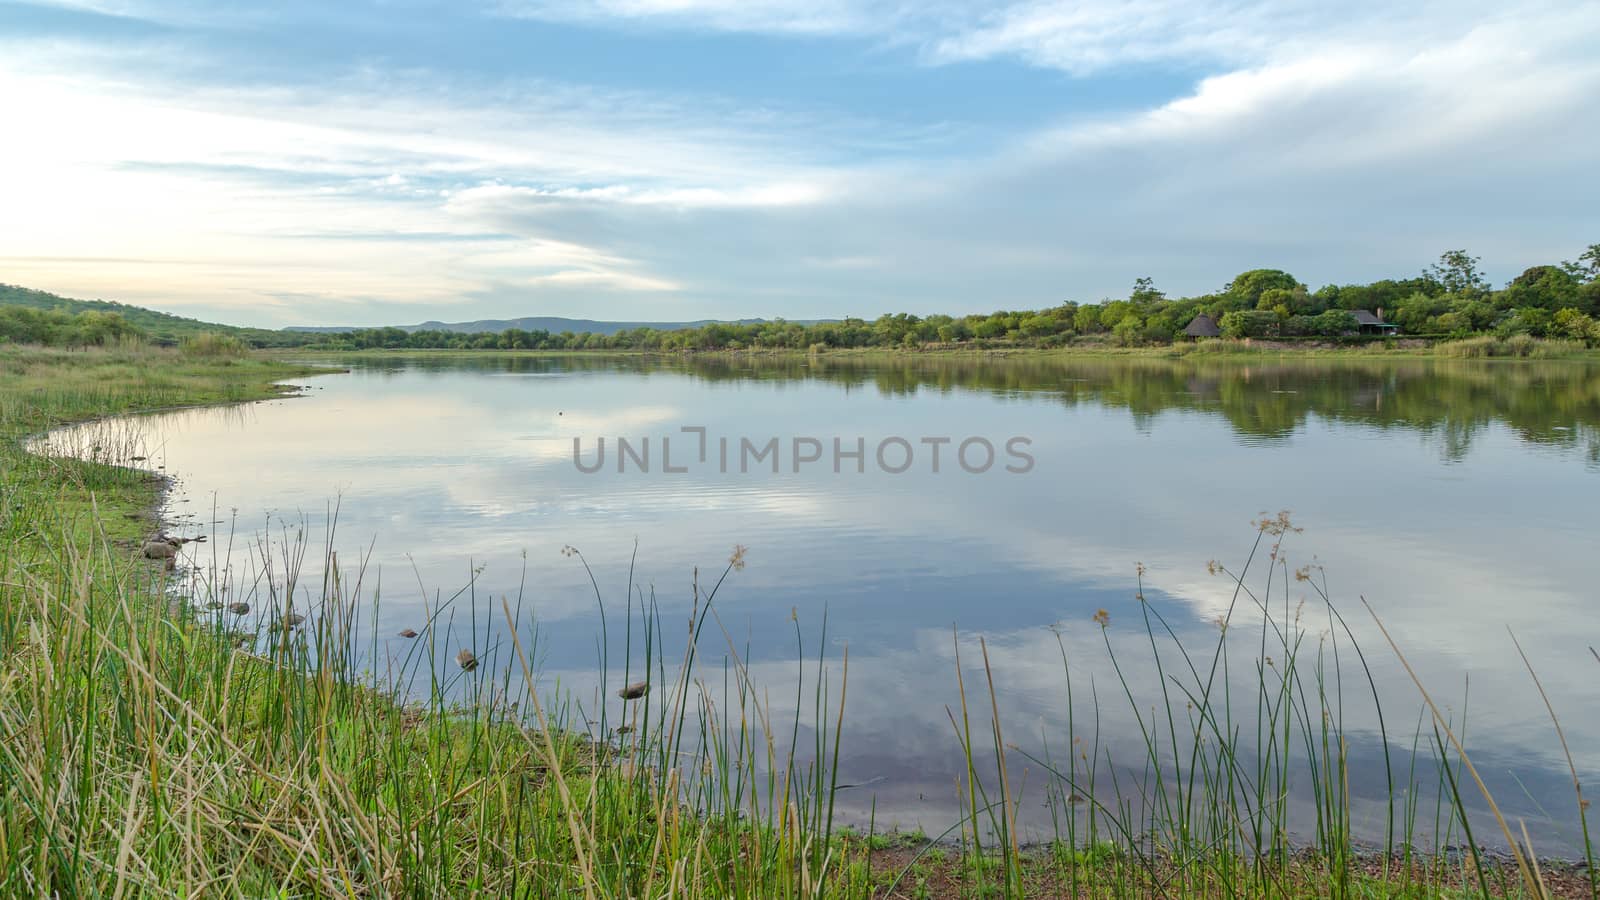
<point>765,16</point>
<point>1077,37</point>
<point>167,12</point>
<point>1369,100</point>
<point>620,280</point>
<point>219,196</point>
<point>776,194</point>
<point>1083,37</point>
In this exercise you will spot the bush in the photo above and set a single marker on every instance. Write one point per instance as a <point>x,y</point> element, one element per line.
<point>1249,323</point>
<point>1128,333</point>
<point>1577,325</point>
<point>211,345</point>
<point>53,328</point>
<point>1212,345</point>
<point>1517,345</point>
<point>1471,348</point>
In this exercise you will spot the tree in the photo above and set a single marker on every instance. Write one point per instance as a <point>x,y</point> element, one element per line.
<point>1038,326</point>
<point>1128,331</point>
<point>991,327</point>
<point>54,328</point>
<point>1286,302</point>
<point>1249,323</point>
<point>1572,323</point>
<point>1163,326</point>
<point>1248,287</point>
<point>1145,294</point>
<point>1419,313</point>
<point>1457,271</point>
<point>1529,320</point>
<point>515,339</point>
<point>1587,268</point>
<point>1547,287</point>
<point>1087,319</point>
<point>957,330</point>
<point>1335,322</point>
<point>1113,311</point>
<point>1382,294</point>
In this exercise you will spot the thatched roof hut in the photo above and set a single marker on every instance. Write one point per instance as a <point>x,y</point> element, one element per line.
<point>1202,326</point>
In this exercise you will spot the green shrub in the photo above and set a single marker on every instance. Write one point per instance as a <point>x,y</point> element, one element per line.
<point>54,328</point>
<point>211,345</point>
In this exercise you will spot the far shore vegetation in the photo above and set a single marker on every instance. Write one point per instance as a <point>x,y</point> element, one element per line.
<point>1448,302</point>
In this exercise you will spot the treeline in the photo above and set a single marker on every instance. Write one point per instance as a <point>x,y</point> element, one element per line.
<point>49,328</point>
<point>159,328</point>
<point>93,328</point>
<point>1449,299</point>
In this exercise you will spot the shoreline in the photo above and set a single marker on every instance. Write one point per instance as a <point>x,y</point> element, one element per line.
<point>1242,350</point>
<point>153,511</point>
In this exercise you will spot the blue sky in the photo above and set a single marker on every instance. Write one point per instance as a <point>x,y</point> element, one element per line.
<point>390,162</point>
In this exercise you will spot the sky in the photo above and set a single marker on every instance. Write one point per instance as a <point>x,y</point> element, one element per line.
<point>394,161</point>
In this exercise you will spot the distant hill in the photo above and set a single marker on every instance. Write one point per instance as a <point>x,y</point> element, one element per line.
<point>163,328</point>
<point>552,324</point>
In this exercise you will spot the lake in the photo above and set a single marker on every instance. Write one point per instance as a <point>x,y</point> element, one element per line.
<point>1458,498</point>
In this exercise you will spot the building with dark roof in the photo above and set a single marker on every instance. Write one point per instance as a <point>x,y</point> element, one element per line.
<point>1369,323</point>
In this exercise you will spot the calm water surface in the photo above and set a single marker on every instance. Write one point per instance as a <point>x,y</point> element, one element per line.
<point>1460,499</point>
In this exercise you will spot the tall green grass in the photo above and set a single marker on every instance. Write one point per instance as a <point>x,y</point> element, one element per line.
<point>1234,791</point>
<point>259,741</point>
<point>213,345</point>
<point>1519,346</point>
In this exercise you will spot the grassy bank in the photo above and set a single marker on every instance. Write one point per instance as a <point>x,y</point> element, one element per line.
<point>43,388</point>
<point>240,741</point>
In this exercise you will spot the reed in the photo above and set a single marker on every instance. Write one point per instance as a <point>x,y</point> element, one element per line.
<point>214,345</point>
<point>266,745</point>
<point>1520,346</point>
<point>1238,782</point>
